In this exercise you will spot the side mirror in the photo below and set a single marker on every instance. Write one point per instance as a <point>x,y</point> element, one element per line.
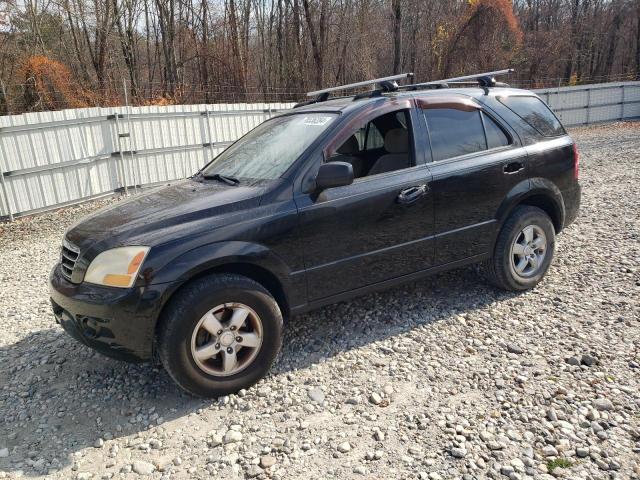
<point>334,174</point>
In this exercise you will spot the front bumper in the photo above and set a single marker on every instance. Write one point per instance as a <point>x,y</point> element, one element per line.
<point>117,322</point>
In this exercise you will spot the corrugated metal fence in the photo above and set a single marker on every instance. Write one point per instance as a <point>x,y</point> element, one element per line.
<point>587,104</point>
<point>52,159</point>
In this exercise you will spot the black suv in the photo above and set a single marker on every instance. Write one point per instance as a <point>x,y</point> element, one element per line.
<point>325,202</point>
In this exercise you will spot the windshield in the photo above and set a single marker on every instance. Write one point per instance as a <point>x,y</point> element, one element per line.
<point>268,150</point>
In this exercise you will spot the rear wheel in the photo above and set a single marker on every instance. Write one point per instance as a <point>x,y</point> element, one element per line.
<point>220,334</point>
<point>523,251</point>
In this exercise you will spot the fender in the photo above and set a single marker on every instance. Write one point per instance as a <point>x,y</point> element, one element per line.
<point>530,192</point>
<point>188,265</point>
<point>212,255</point>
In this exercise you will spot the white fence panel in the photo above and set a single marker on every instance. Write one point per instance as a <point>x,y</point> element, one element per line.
<point>51,159</point>
<point>586,104</point>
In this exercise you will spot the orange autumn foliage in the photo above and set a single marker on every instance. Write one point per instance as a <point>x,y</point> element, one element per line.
<point>489,30</point>
<point>49,85</point>
<point>503,11</point>
<point>160,101</point>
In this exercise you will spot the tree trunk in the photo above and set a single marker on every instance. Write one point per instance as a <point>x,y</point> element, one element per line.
<point>613,44</point>
<point>76,44</point>
<point>280,46</point>
<point>204,50</point>
<point>397,35</point>
<point>568,69</point>
<point>315,43</point>
<point>638,42</point>
<point>235,44</point>
<point>166,21</point>
<point>125,25</point>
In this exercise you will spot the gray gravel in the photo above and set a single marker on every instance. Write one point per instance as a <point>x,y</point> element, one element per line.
<point>445,378</point>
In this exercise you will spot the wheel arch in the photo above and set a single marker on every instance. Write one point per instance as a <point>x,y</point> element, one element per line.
<point>536,192</point>
<point>257,273</point>
<point>253,261</point>
<point>547,204</point>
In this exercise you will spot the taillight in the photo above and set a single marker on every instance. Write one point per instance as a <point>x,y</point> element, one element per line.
<point>576,161</point>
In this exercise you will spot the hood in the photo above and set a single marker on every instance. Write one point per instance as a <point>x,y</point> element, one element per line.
<point>150,217</point>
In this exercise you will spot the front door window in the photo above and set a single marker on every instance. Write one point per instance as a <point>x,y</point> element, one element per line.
<point>382,145</point>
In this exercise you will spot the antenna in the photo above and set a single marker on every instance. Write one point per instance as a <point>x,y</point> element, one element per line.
<point>388,84</point>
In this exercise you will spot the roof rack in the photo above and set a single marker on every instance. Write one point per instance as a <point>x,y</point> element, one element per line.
<point>386,84</point>
<point>389,84</point>
<point>486,79</point>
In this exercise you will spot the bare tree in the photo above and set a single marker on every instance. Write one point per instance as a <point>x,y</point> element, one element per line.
<point>202,51</point>
<point>397,34</point>
<point>127,17</point>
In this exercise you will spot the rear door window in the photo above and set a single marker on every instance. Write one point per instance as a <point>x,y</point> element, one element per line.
<point>454,132</point>
<point>536,113</point>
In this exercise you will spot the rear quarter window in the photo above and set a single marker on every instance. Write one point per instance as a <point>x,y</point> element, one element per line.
<point>496,137</point>
<point>534,111</point>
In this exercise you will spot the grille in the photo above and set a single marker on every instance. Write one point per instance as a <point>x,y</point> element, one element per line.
<point>70,255</point>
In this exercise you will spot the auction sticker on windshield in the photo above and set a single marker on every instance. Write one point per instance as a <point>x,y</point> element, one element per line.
<point>316,120</point>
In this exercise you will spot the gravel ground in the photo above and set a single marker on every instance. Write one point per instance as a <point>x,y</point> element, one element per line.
<point>444,378</point>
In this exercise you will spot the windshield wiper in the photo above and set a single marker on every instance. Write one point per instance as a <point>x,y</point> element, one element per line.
<point>222,178</point>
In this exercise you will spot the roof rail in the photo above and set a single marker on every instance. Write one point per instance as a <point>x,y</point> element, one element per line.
<point>485,79</point>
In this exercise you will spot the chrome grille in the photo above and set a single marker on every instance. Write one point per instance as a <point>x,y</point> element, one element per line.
<point>70,254</point>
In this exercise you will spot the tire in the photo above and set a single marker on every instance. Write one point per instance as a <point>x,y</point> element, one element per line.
<point>502,268</point>
<point>182,335</point>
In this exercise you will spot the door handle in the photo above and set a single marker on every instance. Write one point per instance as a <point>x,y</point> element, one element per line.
<point>512,167</point>
<point>411,194</point>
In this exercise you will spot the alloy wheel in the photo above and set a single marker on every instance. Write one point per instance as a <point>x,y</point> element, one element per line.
<point>528,251</point>
<point>226,339</point>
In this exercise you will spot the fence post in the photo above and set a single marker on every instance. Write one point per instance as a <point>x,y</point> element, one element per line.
<point>122,166</point>
<point>135,164</point>
<point>209,135</point>
<point>5,193</point>
<point>622,103</point>
<point>588,119</point>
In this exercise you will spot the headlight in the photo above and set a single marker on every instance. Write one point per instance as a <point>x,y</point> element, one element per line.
<point>117,267</point>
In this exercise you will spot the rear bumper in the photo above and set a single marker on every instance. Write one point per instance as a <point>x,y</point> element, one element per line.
<point>571,199</point>
<point>117,322</point>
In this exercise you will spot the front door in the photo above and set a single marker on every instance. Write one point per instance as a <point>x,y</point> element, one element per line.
<point>381,226</point>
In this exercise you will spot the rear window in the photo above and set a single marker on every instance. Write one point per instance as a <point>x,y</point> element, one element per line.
<point>533,111</point>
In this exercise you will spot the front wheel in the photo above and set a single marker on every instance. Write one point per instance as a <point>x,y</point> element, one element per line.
<point>219,334</point>
<point>523,251</point>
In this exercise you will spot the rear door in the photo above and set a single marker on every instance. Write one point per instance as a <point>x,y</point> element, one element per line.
<point>475,161</point>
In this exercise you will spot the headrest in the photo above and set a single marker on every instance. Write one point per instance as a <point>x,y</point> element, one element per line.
<point>396,141</point>
<point>350,146</point>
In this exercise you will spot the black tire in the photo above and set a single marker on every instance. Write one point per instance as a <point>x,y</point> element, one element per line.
<point>499,268</point>
<point>190,304</point>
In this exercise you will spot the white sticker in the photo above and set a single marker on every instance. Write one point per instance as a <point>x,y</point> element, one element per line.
<point>315,120</point>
